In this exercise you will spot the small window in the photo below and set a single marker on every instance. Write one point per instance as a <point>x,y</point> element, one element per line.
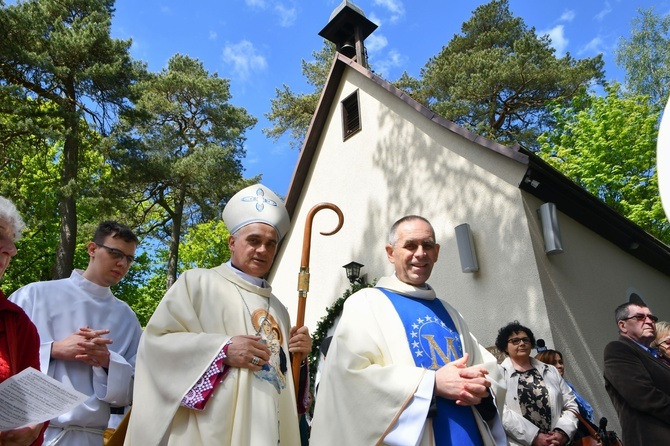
<point>351,115</point>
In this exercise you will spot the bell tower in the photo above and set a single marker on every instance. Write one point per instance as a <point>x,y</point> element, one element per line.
<point>347,29</point>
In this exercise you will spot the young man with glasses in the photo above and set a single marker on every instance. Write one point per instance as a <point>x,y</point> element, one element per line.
<point>88,337</point>
<point>637,382</point>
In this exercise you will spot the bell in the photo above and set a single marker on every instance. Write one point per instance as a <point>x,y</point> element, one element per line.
<point>348,50</point>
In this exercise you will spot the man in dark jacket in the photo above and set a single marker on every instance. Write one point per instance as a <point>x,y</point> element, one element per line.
<point>637,382</point>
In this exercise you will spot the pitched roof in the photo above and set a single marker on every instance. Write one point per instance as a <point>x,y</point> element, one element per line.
<point>540,180</point>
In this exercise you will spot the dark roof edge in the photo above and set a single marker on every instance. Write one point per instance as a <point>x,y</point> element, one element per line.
<point>312,138</point>
<point>549,185</point>
<point>510,152</point>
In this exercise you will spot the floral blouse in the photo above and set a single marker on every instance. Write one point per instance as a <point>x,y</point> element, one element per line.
<point>534,399</point>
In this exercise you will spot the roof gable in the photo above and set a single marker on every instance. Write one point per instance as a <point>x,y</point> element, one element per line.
<point>540,180</point>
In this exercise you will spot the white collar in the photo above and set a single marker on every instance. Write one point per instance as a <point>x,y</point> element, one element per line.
<point>396,285</point>
<point>258,281</point>
<point>92,288</point>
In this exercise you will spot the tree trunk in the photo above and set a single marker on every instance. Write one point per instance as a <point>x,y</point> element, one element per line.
<point>173,257</point>
<point>67,203</point>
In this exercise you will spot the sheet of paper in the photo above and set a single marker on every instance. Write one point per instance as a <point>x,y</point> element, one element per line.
<point>31,397</point>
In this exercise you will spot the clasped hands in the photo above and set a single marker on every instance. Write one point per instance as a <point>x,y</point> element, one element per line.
<point>465,385</point>
<point>243,349</point>
<point>550,439</point>
<point>86,345</point>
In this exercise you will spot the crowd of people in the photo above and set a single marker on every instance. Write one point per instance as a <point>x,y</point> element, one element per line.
<point>213,365</point>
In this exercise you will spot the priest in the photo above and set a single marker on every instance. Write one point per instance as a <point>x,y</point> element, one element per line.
<point>402,367</point>
<point>214,361</point>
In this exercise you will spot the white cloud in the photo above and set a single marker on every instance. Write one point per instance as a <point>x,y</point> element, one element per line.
<point>558,40</point>
<point>395,7</point>
<point>383,66</point>
<point>243,58</point>
<point>567,16</point>
<point>607,8</point>
<point>213,35</point>
<point>286,11</point>
<point>260,156</point>
<point>595,46</point>
<point>256,3</point>
<point>375,42</point>
<point>287,15</point>
<point>374,19</point>
<point>136,46</point>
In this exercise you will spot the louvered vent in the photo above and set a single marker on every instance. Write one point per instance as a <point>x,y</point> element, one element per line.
<point>351,115</point>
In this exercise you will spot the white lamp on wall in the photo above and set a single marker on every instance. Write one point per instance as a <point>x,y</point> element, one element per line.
<point>551,232</point>
<point>466,249</point>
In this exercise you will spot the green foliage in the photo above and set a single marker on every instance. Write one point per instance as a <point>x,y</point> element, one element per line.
<point>143,287</point>
<point>186,156</point>
<point>292,112</point>
<point>413,87</point>
<point>31,180</point>
<point>607,145</point>
<point>497,77</point>
<point>176,158</point>
<point>645,57</point>
<point>204,245</point>
<point>60,52</point>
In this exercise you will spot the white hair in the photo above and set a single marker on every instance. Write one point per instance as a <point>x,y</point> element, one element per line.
<point>9,214</point>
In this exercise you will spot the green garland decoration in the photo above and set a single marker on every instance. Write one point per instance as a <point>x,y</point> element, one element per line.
<point>325,324</point>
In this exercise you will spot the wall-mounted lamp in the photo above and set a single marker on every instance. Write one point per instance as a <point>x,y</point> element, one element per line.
<point>353,272</point>
<point>466,249</point>
<point>550,229</point>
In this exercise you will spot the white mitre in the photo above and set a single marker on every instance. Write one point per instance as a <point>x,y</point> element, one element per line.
<point>256,204</point>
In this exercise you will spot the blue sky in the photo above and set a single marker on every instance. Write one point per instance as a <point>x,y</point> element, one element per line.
<point>259,45</point>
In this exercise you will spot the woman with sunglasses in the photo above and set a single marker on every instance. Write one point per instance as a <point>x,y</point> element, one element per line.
<point>538,404</point>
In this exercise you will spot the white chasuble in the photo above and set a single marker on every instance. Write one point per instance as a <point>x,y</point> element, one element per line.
<point>200,313</point>
<point>370,376</point>
<point>59,308</point>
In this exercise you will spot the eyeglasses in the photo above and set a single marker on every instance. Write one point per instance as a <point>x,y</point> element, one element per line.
<point>517,341</point>
<point>117,254</point>
<point>641,317</point>
<point>665,342</point>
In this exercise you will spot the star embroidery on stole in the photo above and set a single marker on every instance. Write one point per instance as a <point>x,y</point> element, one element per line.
<point>436,342</point>
<point>260,200</point>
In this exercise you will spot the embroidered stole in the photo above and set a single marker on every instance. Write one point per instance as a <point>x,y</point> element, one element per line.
<point>435,342</point>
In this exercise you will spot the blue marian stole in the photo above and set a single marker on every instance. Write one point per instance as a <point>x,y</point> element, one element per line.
<point>435,342</point>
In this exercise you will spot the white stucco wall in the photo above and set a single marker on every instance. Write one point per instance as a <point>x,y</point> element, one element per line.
<point>402,163</point>
<point>398,165</point>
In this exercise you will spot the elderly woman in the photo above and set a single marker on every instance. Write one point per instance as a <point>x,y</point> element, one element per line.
<point>555,358</point>
<point>19,341</point>
<point>538,404</point>
<point>662,341</point>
